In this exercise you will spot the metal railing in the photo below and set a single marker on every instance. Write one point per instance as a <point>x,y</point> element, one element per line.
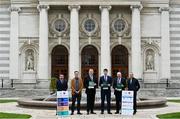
<point>11,83</point>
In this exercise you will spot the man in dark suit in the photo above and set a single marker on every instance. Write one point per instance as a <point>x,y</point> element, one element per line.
<point>133,85</point>
<point>105,83</point>
<point>91,84</point>
<point>119,84</point>
<point>61,83</point>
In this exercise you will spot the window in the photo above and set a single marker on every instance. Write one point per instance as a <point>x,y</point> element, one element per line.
<point>60,25</point>
<point>89,25</point>
<point>119,25</point>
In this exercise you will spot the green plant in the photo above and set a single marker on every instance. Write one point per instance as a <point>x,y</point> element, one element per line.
<point>175,115</point>
<point>174,100</point>
<point>7,100</point>
<point>4,115</point>
<point>53,84</point>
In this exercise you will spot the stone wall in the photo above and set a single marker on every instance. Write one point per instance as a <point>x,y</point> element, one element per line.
<point>34,93</point>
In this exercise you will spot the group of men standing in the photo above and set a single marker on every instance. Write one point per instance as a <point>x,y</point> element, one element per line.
<point>91,83</point>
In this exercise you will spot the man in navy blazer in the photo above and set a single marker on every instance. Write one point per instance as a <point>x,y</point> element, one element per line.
<point>105,84</point>
<point>91,83</point>
<point>61,83</point>
<point>119,84</point>
<point>133,85</point>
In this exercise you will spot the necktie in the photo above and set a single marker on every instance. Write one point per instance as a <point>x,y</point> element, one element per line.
<point>91,77</point>
<point>119,80</point>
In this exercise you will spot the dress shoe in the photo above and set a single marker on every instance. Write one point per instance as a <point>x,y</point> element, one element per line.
<point>79,113</point>
<point>109,113</point>
<point>93,113</point>
<point>134,112</point>
<point>102,112</point>
<point>116,113</point>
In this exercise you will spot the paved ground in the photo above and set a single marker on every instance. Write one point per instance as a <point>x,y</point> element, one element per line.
<point>50,113</point>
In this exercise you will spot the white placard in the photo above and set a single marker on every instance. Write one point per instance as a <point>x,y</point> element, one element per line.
<point>127,103</point>
<point>63,94</point>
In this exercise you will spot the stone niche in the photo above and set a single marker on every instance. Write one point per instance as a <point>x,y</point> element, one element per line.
<point>28,65</point>
<point>151,65</point>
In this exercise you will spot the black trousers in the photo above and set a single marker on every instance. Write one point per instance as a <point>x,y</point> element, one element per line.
<point>90,100</point>
<point>135,102</point>
<point>106,94</point>
<point>118,96</point>
<point>74,98</point>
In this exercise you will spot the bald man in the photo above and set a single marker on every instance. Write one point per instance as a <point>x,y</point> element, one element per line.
<point>119,84</point>
<point>91,83</point>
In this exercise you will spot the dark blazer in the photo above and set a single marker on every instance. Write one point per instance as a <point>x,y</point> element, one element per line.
<point>61,86</point>
<point>86,83</point>
<point>109,80</point>
<point>123,81</point>
<point>134,86</point>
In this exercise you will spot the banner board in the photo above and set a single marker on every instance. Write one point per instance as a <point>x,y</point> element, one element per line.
<point>62,103</point>
<point>127,103</point>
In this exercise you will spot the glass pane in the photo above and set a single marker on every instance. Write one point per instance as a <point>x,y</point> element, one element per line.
<point>89,25</point>
<point>119,25</point>
<point>60,25</point>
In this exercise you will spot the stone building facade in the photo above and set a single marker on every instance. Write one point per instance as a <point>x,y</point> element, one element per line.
<point>42,38</point>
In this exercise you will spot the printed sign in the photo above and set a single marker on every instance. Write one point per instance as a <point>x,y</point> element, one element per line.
<point>127,103</point>
<point>62,103</point>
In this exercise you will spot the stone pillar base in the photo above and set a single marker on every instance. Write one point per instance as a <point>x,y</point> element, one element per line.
<point>43,84</point>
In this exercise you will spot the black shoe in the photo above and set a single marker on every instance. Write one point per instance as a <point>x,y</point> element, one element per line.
<point>93,113</point>
<point>79,113</point>
<point>134,112</point>
<point>116,113</point>
<point>102,112</point>
<point>109,113</point>
<point>72,113</point>
<point>87,113</point>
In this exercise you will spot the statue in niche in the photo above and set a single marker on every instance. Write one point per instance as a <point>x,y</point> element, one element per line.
<point>29,60</point>
<point>150,60</point>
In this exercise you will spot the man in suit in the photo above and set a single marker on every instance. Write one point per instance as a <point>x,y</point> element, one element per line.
<point>133,85</point>
<point>105,83</point>
<point>76,88</point>
<point>61,83</point>
<point>119,84</point>
<point>91,84</point>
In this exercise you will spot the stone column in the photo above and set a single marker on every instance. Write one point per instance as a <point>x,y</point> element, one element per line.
<point>105,39</point>
<point>136,41</point>
<point>14,43</point>
<point>43,42</point>
<point>165,43</point>
<point>74,40</point>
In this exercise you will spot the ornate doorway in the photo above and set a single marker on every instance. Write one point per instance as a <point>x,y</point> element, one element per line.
<point>59,59</point>
<point>89,59</point>
<point>119,60</point>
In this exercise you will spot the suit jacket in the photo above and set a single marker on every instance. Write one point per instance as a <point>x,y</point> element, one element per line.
<point>134,86</point>
<point>109,81</point>
<point>87,80</point>
<point>123,81</point>
<point>73,86</point>
<point>61,86</point>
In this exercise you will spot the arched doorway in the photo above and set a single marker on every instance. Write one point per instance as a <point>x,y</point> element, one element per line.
<point>89,59</point>
<point>119,60</point>
<point>59,59</point>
